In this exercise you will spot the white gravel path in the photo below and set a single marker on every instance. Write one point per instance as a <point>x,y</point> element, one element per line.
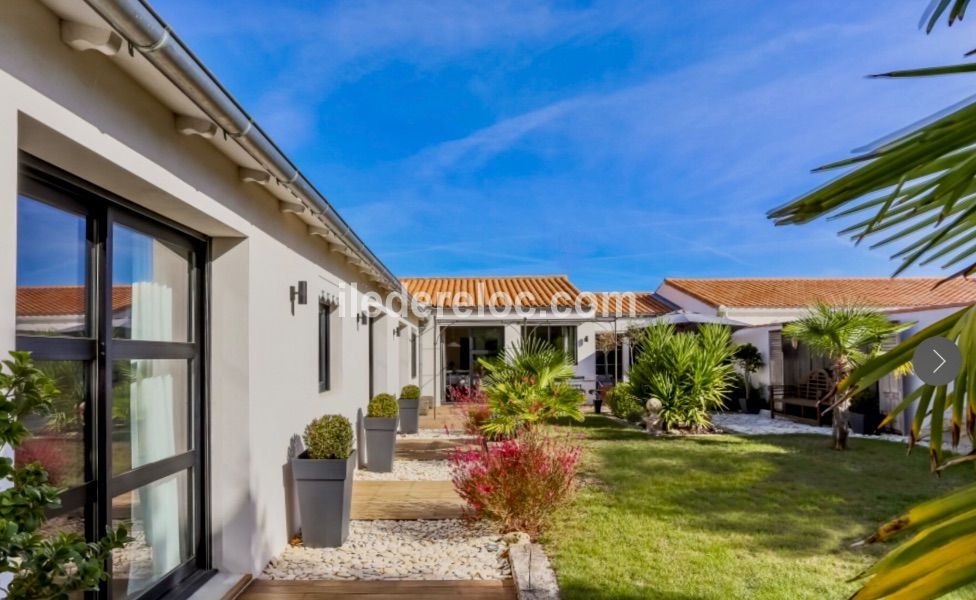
<point>417,550</point>
<point>761,424</point>
<point>411,470</point>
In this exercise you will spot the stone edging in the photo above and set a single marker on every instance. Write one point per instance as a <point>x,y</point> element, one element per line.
<point>533,575</point>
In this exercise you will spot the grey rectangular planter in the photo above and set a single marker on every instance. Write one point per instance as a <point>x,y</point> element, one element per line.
<point>409,411</point>
<point>380,443</point>
<point>324,498</point>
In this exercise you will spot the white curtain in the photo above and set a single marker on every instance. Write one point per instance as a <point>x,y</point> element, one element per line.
<point>153,434</point>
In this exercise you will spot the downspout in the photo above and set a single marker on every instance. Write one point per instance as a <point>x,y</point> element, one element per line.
<point>148,33</point>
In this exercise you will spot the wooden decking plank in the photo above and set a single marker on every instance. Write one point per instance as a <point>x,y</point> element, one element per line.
<point>405,500</point>
<point>380,590</point>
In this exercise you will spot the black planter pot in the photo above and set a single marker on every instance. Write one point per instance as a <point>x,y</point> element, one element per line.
<point>324,498</point>
<point>598,406</point>
<point>409,411</point>
<point>380,443</point>
<point>866,424</point>
<point>754,404</point>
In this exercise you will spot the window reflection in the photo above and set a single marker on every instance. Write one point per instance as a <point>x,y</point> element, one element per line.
<point>58,440</point>
<point>52,266</point>
<point>160,524</point>
<point>150,412</point>
<point>155,277</point>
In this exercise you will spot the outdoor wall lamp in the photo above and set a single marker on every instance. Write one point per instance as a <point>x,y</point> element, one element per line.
<point>361,319</point>
<point>300,292</point>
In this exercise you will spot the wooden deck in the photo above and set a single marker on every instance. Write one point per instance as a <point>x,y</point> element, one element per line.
<point>450,416</point>
<point>405,500</point>
<point>420,449</point>
<point>379,590</point>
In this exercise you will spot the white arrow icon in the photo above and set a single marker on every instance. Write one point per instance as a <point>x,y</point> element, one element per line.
<point>936,370</point>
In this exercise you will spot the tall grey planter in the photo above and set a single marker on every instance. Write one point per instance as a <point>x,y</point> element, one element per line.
<point>409,411</point>
<point>324,498</point>
<point>380,443</point>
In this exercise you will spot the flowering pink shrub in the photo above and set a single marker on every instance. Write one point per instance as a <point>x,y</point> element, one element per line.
<point>462,394</point>
<point>475,416</point>
<point>519,482</point>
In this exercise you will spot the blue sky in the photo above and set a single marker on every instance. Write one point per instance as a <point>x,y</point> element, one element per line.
<point>615,141</point>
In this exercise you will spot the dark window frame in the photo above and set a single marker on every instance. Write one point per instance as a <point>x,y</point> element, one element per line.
<point>50,185</point>
<point>413,354</point>
<point>325,341</point>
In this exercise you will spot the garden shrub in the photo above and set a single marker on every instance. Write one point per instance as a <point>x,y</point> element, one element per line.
<point>329,437</point>
<point>624,404</point>
<point>689,373</point>
<point>462,394</point>
<point>37,564</point>
<point>475,417</point>
<point>529,384</point>
<point>518,483</point>
<point>410,392</point>
<point>383,406</point>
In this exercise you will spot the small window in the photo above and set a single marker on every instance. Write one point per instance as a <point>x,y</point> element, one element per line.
<point>413,355</point>
<point>324,367</point>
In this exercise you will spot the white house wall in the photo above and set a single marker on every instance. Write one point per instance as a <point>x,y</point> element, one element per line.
<point>80,112</point>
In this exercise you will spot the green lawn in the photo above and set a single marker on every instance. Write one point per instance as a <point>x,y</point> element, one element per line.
<point>729,517</point>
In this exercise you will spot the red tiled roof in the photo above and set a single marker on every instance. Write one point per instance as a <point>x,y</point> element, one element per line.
<point>531,291</point>
<point>59,300</point>
<point>631,303</point>
<point>904,292</point>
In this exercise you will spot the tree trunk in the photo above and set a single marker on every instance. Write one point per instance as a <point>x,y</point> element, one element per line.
<point>841,425</point>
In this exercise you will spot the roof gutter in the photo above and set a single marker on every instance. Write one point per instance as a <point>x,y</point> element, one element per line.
<point>146,31</point>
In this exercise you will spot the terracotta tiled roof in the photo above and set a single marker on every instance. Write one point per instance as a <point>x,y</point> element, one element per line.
<point>631,303</point>
<point>798,292</point>
<point>531,291</point>
<point>60,300</point>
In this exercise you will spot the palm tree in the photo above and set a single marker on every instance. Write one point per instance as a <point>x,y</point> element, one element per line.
<point>918,187</point>
<point>528,384</point>
<point>848,336</point>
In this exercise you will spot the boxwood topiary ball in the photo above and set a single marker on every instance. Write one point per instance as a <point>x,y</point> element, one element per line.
<point>384,406</point>
<point>329,437</point>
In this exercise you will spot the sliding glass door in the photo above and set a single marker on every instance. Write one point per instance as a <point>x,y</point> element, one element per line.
<point>110,302</point>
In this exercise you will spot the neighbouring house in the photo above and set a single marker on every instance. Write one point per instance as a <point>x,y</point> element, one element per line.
<point>478,317</point>
<point>766,304</point>
<point>196,298</point>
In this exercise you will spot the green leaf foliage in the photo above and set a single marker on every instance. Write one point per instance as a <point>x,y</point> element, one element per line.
<point>690,373</point>
<point>529,384</point>
<point>624,404</point>
<point>384,406</point>
<point>410,392</point>
<point>916,190</point>
<point>41,566</point>
<point>329,437</point>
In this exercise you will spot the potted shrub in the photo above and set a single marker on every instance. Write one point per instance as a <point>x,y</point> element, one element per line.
<point>381,424</point>
<point>324,476</point>
<point>409,404</point>
<point>865,412</point>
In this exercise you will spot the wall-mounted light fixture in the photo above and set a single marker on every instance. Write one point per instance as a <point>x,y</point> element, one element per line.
<point>362,318</point>
<point>299,293</point>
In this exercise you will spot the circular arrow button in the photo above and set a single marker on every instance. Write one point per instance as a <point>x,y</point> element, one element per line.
<point>937,361</point>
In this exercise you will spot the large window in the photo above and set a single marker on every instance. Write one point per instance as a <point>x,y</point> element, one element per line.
<point>325,310</point>
<point>110,303</point>
<point>562,337</point>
